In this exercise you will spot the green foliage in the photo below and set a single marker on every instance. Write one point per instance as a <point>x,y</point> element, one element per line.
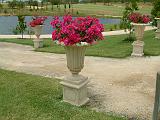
<point>5,11</point>
<point>111,29</point>
<point>12,4</point>
<point>21,27</point>
<point>129,39</point>
<point>131,6</point>
<point>77,13</point>
<point>20,4</point>
<point>1,6</point>
<point>14,31</point>
<point>156,9</point>
<point>30,2</point>
<point>115,26</point>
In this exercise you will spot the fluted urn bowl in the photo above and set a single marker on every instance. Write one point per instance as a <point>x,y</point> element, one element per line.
<point>139,30</point>
<point>75,58</point>
<point>37,30</point>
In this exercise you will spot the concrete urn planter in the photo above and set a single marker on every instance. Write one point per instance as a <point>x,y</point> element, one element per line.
<point>38,43</point>
<point>158,29</point>
<point>75,85</point>
<point>139,43</point>
<point>37,30</point>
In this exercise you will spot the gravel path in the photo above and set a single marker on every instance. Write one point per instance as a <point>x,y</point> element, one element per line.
<point>121,86</point>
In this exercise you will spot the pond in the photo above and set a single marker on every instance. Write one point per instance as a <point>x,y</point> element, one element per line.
<point>8,23</point>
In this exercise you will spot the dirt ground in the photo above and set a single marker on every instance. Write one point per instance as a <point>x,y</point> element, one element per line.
<point>121,86</point>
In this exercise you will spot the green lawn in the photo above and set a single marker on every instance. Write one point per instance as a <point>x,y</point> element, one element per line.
<point>28,97</point>
<point>115,9</point>
<point>112,46</point>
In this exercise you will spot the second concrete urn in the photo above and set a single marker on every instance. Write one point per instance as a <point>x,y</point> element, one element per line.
<point>158,28</point>
<point>38,43</point>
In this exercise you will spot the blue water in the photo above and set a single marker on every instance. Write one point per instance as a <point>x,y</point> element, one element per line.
<point>8,23</point>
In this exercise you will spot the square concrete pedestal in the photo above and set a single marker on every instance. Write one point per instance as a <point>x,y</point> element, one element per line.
<point>138,48</point>
<point>75,90</point>
<point>38,43</point>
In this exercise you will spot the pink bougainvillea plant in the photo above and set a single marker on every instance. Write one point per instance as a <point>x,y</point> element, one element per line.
<point>76,32</point>
<point>37,21</point>
<point>139,18</point>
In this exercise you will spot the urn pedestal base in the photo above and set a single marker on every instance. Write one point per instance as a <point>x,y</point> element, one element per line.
<point>157,34</point>
<point>138,48</point>
<point>75,90</point>
<point>38,43</point>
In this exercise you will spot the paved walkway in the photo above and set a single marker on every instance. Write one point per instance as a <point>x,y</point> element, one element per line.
<point>122,86</point>
<point>118,32</point>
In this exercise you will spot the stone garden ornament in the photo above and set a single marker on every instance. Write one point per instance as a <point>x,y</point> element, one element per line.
<point>37,24</point>
<point>76,35</point>
<point>139,22</point>
<point>156,111</point>
<point>158,28</point>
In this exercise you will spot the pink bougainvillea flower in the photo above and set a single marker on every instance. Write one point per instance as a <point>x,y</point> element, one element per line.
<point>37,21</point>
<point>139,18</point>
<point>81,30</point>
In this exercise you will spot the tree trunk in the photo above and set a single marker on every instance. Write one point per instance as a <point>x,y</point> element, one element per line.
<point>47,6</point>
<point>52,6</point>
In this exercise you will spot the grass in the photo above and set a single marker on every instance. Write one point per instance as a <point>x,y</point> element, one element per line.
<point>115,9</point>
<point>112,46</point>
<point>28,97</point>
<point>111,27</point>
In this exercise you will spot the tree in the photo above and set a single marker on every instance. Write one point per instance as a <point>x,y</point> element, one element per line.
<point>1,7</point>
<point>35,4</point>
<point>106,1</point>
<point>21,27</point>
<point>30,2</point>
<point>131,6</point>
<point>46,4</point>
<point>55,2</point>
<point>156,8</point>
<point>42,4</point>
<point>12,4</point>
<point>20,4</point>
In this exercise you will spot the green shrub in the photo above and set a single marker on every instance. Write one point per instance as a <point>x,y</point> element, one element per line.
<point>15,31</point>
<point>111,29</point>
<point>115,26</point>
<point>21,26</point>
<point>5,11</point>
<point>129,39</point>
